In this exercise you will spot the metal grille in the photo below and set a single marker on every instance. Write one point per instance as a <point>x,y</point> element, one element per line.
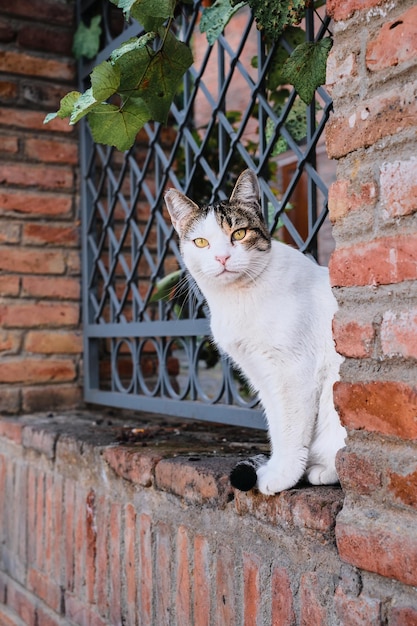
<point>156,356</point>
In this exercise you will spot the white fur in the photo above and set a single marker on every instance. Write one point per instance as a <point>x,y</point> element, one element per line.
<point>272,312</point>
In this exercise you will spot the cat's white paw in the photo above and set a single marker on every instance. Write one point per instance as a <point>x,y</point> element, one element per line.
<point>274,477</point>
<point>322,475</point>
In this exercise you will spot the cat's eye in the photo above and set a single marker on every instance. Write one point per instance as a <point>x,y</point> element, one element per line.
<point>200,242</point>
<point>240,234</point>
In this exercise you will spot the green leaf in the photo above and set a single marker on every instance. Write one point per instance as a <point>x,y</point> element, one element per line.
<point>294,36</point>
<point>164,287</point>
<point>85,103</point>
<point>150,13</point>
<point>105,80</point>
<point>87,39</point>
<point>116,126</point>
<point>132,60</point>
<point>274,16</point>
<point>306,67</point>
<point>214,18</point>
<point>66,106</point>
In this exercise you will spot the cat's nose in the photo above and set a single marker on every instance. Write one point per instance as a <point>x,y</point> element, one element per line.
<point>222,259</point>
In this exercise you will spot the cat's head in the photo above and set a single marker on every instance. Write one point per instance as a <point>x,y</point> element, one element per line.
<point>222,243</point>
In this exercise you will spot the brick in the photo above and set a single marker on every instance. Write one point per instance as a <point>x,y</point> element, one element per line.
<point>343,9</point>
<point>31,514</point>
<point>8,144</point>
<point>340,66</point>
<point>353,338</point>
<point>252,597</point>
<point>43,587</point>
<point>398,188</point>
<point>10,233</point>
<point>382,261</point>
<point>225,608</point>
<point>203,480</point>
<point>43,11</point>
<point>51,398</point>
<point>44,177</point>
<point>146,569</point>
<point>399,333</point>
<point>49,342</point>
<point>386,407</point>
<point>133,465</point>
<point>115,537</point>
<point>32,120</point>
<point>183,579</point>
<point>130,560</point>
<point>50,40</point>
<point>11,429</point>
<point>8,93</point>
<point>37,94</point>
<point>32,261</point>
<point>39,503</point>
<point>13,62</point>
<point>9,285</point>
<point>36,204</point>
<point>16,370</point>
<point>345,198</point>
<point>23,603</point>
<point>51,234</point>
<point>40,440</point>
<point>58,513</point>
<point>359,611</point>
<point>80,546</point>
<point>162,579</point>
<point>40,316</point>
<point>374,119</point>
<point>379,541</point>
<point>395,43</point>
<point>202,581</point>
<point>402,616</point>
<point>404,487</point>
<point>7,31</point>
<point>10,342</point>
<point>358,472</point>
<point>69,524</point>
<point>10,400</point>
<point>282,598</point>
<point>102,592</point>
<point>91,545</point>
<point>312,610</point>
<point>9,617</point>
<point>51,151</point>
<point>57,288</point>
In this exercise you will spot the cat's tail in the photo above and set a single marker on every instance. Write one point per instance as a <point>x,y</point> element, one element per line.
<point>243,476</point>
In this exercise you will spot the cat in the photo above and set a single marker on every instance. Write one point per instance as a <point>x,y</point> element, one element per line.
<point>271,311</point>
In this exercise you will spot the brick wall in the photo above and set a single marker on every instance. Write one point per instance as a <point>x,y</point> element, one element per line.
<point>40,339</point>
<point>373,207</point>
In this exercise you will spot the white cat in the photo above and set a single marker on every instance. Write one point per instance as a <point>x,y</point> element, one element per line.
<point>271,311</point>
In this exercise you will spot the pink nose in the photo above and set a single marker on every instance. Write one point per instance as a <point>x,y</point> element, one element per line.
<point>222,259</point>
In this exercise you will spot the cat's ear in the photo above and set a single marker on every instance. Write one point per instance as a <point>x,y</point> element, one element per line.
<point>246,188</point>
<point>180,208</point>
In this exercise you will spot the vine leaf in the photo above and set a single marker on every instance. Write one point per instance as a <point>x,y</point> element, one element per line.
<point>274,16</point>
<point>118,126</point>
<point>86,41</point>
<point>215,18</point>
<point>151,14</point>
<point>66,107</point>
<point>105,80</point>
<point>305,69</point>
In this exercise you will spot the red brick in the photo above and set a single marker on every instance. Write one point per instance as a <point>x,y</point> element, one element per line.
<point>162,579</point>
<point>9,285</point>
<point>380,541</point>
<point>382,261</point>
<point>51,151</point>
<point>341,65</point>
<point>37,371</point>
<point>58,529</point>
<point>398,188</point>
<point>13,62</point>
<point>69,535</point>
<point>282,598</point>
<point>10,342</point>
<point>91,545</point>
<point>103,563</point>
<point>402,616</point>
<point>37,94</point>
<point>32,261</point>
<point>9,400</point>
<point>130,560</point>
<point>23,603</point>
<point>359,472</point>
<point>51,398</point>
<point>344,198</point>
<point>353,338</point>
<point>51,234</point>
<point>43,587</point>
<point>312,610</point>
<point>58,288</point>
<point>404,487</point>
<point>252,597</point>
<point>386,407</point>
<point>133,465</point>
<point>225,593</point>
<point>359,611</point>
<point>39,520</point>
<point>11,429</point>
<point>43,10</point>
<point>395,43</point>
<point>31,520</point>
<point>10,233</point>
<point>40,316</point>
<point>80,544</point>
<point>202,581</point>
<point>8,144</point>
<point>399,333</point>
<point>183,578</point>
<point>343,9</point>
<point>49,530</point>
<point>56,177</point>
<point>39,37</point>
<point>374,119</point>
<point>115,536</point>
<point>7,31</point>
<point>39,439</point>
<point>33,120</point>
<point>9,617</point>
<point>36,204</point>
<point>146,569</point>
<point>49,342</point>
<point>8,92</point>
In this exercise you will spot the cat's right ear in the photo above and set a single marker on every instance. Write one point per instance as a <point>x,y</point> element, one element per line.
<point>180,208</point>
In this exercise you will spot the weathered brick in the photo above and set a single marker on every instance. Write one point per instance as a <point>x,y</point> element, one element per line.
<point>51,151</point>
<point>395,43</point>
<point>9,285</point>
<point>103,571</point>
<point>10,400</point>
<point>40,37</point>
<point>202,581</point>
<point>54,287</point>
<point>37,204</point>
<point>399,333</point>
<point>146,565</point>
<point>8,143</point>
<point>10,233</point>
<point>43,10</point>
<point>162,579</point>
<point>51,398</point>
<point>7,31</point>
<point>43,587</point>
<point>42,315</point>
<point>225,608</point>
<point>358,472</point>
<point>90,545</point>
<point>51,176</point>
<point>137,466</point>
<point>8,93</point>
<point>378,117</point>
<point>353,338</point>
<point>50,234</point>
<point>22,602</point>
<point>32,261</point>
<point>33,120</point>
<point>402,616</point>
<point>343,9</point>
<point>381,406</point>
<point>50,342</point>
<point>404,487</point>
<point>130,560</point>
<point>282,598</point>
<point>252,597</point>
<point>381,261</point>
<point>380,541</point>
<point>344,198</point>
<point>183,578</point>
<point>341,65</point>
<point>40,439</point>
<point>115,538</point>
<point>14,62</point>
<point>11,429</point>
<point>23,371</point>
<point>356,611</point>
<point>398,188</point>
<point>312,610</point>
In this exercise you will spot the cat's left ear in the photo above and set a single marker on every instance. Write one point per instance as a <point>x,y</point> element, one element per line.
<point>180,208</point>
<point>246,188</point>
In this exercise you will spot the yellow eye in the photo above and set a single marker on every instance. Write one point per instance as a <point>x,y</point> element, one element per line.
<point>240,234</point>
<point>200,242</point>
